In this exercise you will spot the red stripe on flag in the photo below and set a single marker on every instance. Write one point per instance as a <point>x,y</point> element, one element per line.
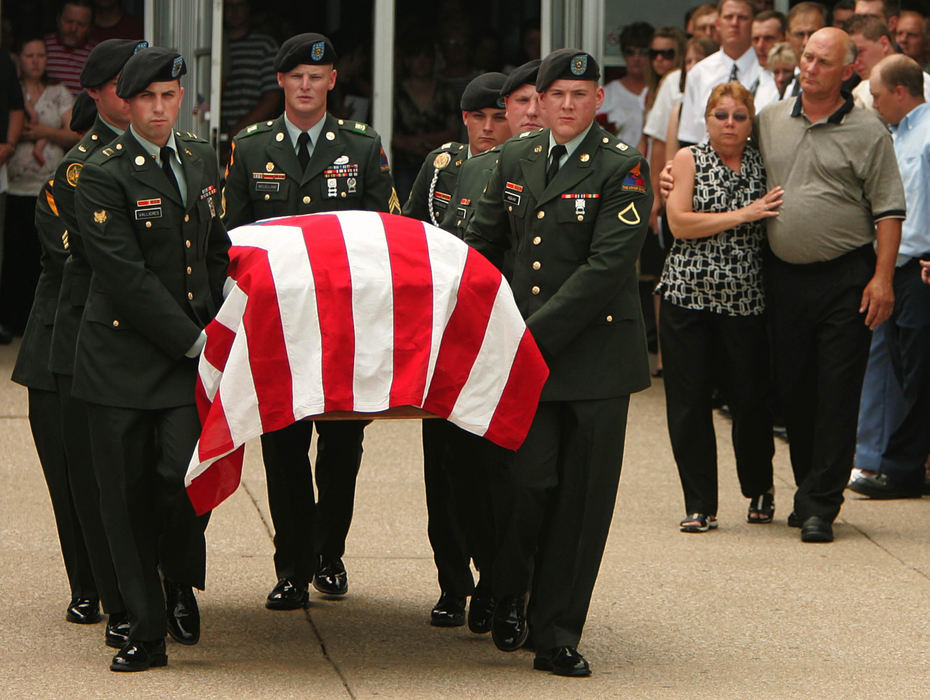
<point>268,361</point>
<point>215,436</point>
<point>511,421</point>
<point>333,282</point>
<point>412,282</point>
<point>464,333</point>
<point>217,483</point>
<point>220,341</point>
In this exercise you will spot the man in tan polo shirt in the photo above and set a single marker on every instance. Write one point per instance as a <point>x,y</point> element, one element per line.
<point>827,285</point>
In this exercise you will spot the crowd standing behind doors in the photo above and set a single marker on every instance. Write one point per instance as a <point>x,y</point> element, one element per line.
<point>550,175</point>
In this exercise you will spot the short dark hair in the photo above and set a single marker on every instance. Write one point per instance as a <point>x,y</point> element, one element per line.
<point>766,15</point>
<point>636,34</point>
<point>803,8</point>
<point>899,69</point>
<point>872,28</point>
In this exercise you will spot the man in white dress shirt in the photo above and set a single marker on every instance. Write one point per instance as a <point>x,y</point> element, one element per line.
<point>736,60</point>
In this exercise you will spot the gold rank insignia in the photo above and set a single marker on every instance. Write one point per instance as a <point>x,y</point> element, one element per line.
<point>629,215</point>
<point>82,149</point>
<point>394,202</point>
<point>73,173</point>
<point>441,161</point>
<point>64,240</point>
<point>100,217</point>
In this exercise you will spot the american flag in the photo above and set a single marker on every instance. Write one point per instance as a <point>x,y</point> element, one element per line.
<point>364,312</point>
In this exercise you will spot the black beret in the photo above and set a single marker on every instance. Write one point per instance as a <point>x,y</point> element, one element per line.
<point>151,65</point>
<point>83,112</point>
<point>107,59</point>
<point>484,92</point>
<point>566,64</point>
<point>311,49</point>
<point>520,76</point>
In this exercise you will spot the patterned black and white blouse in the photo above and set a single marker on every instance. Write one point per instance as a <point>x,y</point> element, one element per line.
<point>720,273</point>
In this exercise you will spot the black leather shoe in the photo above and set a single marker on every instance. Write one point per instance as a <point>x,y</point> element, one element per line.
<point>140,656</point>
<point>816,529</point>
<point>287,596</point>
<point>182,612</point>
<point>480,612</point>
<point>449,611</point>
<point>508,626</point>
<point>83,611</point>
<point>879,486</point>
<point>794,520</point>
<point>562,661</point>
<point>331,577</point>
<point>117,633</point>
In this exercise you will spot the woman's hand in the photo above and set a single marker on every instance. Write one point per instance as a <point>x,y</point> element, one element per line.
<point>33,131</point>
<point>765,207</point>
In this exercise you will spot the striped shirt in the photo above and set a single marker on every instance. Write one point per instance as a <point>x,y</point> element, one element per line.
<point>64,64</point>
<point>251,74</point>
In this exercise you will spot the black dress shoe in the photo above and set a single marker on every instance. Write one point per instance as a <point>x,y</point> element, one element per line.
<point>117,633</point>
<point>480,612</point>
<point>287,595</point>
<point>816,529</point>
<point>562,661</point>
<point>879,486</point>
<point>449,611</point>
<point>508,626</point>
<point>140,656</point>
<point>182,613</point>
<point>331,577</point>
<point>794,520</point>
<point>83,611</point>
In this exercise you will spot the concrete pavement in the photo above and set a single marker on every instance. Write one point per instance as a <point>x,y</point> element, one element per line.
<point>747,610</point>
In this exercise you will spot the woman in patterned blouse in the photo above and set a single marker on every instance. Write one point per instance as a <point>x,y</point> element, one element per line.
<point>712,318</point>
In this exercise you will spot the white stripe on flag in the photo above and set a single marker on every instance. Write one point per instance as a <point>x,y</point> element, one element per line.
<point>447,256</point>
<point>482,391</point>
<point>372,309</point>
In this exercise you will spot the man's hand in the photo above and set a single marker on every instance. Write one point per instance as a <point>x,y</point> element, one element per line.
<point>877,301</point>
<point>666,181</point>
<point>6,150</point>
<point>925,271</point>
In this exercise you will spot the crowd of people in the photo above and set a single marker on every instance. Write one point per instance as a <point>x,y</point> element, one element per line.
<point>782,267</point>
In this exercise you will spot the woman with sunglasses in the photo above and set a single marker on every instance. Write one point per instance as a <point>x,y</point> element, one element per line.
<point>713,323</point>
<point>625,98</point>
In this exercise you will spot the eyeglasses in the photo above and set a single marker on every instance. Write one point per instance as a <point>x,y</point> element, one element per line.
<point>667,54</point>
<point>722,116</point>
<point>635,51</point>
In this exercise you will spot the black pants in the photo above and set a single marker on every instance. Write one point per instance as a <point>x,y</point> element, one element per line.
<point>20,262</point>
<point>909,347</point>
<point>702,350</point>
<point>140,457</point>
<point>820,345</point>
<point>559,492</point>
<point>85,493</point>
<point>44,409</point>
<point>458,468</point>
<point>304,530</point>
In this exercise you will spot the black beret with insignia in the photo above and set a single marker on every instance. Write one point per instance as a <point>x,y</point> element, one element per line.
<point>484,92</point>
<point>310,48</point>
<point>107,60</point>
<point>151,65</point>
<point>520,76</point>
<point>83,112</point>
<point>566,64</point>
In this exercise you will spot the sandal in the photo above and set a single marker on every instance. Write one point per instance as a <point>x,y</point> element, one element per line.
<point>698,522</point>
<point>761,508</point>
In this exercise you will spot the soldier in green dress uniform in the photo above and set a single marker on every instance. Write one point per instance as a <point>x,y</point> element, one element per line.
<point>571,203</point>
<point>149,215</point>
<point>308,161</point>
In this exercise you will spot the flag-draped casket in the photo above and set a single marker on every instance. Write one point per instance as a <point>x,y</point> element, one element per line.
<point>361,312</point>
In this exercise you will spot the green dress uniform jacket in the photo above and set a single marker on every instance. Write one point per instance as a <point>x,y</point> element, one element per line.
<point>472,181</point>
<point>347,170</point>
<point>31,367</point>
<point>431,195</point>
<point>575,243</point>
<point>75,279</point>
<point>159,269</point>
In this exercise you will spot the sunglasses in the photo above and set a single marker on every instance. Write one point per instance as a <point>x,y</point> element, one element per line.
<point>667,54</point>
<point>635,52</point>
<point>737,116</point>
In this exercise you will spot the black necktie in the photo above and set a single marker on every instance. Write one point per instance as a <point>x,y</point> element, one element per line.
<point>555,154</point>
<point>734,73</point>
<point>166,154</point>
<point>303,152</point>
